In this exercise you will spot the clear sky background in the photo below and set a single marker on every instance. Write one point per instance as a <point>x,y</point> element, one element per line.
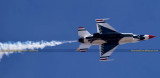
<point>35,20</point>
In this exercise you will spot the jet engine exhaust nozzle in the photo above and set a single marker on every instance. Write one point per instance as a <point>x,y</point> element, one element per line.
<point>81,40</point>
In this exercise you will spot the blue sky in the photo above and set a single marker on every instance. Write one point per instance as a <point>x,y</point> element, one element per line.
<point>35,20</point>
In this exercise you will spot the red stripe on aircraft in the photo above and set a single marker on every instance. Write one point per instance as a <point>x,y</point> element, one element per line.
<point>103,59</point>
<point>99,20</point>
<point>80,27</point>
<point>83,51</point>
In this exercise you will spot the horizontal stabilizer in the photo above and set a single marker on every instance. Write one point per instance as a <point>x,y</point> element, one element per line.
<point>83,47</point>
<point>82,32</point>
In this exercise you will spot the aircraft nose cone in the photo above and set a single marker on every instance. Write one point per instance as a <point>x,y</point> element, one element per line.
<point>151,36</point>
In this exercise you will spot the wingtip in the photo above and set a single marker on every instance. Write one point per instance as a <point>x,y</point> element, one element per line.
<point>107,60</point>
<point>102,19</point>
<point>103,59</point>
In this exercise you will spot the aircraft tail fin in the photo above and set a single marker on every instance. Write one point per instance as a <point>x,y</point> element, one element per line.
<point>82,32</point>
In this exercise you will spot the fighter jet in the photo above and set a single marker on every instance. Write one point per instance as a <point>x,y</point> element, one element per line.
<point>107,38</point>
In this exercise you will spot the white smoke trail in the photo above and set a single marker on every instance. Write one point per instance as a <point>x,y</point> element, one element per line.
<point>10,47</point>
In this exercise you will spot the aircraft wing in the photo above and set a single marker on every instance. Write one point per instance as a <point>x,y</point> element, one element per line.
<point>83,47</point>
<point>106,50</point>
<point>103,27</point>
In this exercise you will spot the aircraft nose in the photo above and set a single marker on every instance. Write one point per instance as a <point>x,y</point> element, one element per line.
<point>151,36</point>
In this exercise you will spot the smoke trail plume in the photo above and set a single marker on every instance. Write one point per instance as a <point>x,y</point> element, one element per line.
<point>10,47</point>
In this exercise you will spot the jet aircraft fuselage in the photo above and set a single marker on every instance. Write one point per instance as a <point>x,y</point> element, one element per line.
<point>113,38</point>
<point>107,38</point>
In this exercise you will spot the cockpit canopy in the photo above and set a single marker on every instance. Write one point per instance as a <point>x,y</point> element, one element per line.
<point>141,37</point>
